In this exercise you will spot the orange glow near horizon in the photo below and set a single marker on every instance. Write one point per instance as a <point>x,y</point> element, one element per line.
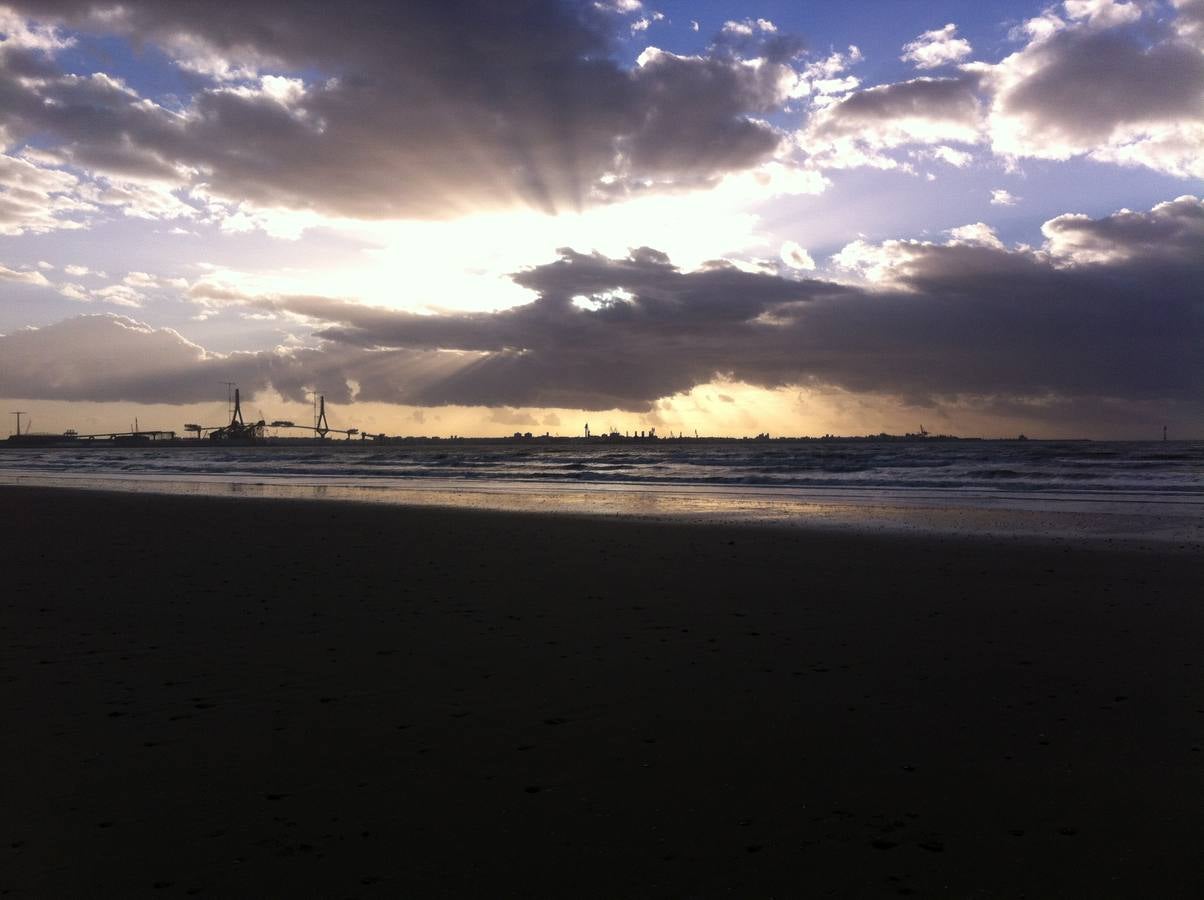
<point>721,409</point>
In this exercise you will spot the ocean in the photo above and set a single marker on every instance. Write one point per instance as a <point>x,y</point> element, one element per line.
<point>1109,490</point>
<point>1077,468</point>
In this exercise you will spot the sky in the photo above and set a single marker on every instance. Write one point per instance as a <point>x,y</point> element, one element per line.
<point>469,217</point>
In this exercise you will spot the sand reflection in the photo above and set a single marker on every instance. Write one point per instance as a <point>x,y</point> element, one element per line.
<point>1163,519</point>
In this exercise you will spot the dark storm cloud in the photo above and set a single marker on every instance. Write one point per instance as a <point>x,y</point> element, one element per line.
<point>957,320</point>
<point>420,109</point>
<point>1109,312</point>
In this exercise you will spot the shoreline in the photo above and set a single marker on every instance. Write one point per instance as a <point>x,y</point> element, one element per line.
<point>1169,521</point>
<point>219,697</point>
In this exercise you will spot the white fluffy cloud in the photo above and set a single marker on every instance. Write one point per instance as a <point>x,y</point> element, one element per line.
<point>23,276</point>
<point>1092,78</point>
<point>975,234</point>
<point>939,47</point>
<point>860,128</point>
<point>796,257</point>
<point>954,157</point>
<point>1103,13</point>
<point>73,291</point>
<point>1094,84</point>
<point>36,198</point>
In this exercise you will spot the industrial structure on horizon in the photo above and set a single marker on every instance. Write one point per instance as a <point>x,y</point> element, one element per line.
<point>238,432</point>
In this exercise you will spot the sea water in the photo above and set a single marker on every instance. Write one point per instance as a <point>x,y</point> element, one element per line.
<point>1150,487</point>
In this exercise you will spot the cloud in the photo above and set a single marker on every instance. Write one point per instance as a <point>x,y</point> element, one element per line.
<point>120,295</point>
<point>975,234</point>
<point>131,291</point>
<point>103,357</point>
<point>1097,85</point>
<point>954,157</point>
<point>444,109</point>
<point>507,416</point>
<point>620,6</point>
<point>694,129</point>
<point>116,358</point>
<point>967,318</point>
<point>1094,78</point>
<point>1071,325</point>
<point>936,48</point>
<point>1173,231</point>
<point>73,291</point>
<point>23,276</point>
<point>1190,19</point>
<point>1103,13</point>
<point>1003,197</point>
<point>406,111</point>
<point>39,192</point>
<point>915,108</point>
<point>796,257</point>
<point>37,199</point>
<point>855,130</point>
<point>760,39</point>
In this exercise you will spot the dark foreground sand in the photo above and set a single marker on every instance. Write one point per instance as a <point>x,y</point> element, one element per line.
<point>249,698</point>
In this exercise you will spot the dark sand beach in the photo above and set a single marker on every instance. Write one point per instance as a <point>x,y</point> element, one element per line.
<point>284,698</point>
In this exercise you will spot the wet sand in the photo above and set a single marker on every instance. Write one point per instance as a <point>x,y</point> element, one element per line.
<point>289,698</point>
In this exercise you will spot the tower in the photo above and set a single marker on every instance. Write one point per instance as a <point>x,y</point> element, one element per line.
<point>236,415</point>
<point>321,426</point>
